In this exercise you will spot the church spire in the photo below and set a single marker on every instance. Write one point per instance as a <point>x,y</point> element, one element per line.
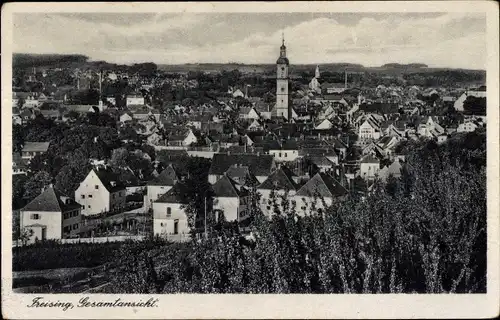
<point>282,38</point>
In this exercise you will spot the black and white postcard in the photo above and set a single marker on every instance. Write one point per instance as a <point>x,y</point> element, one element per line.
<point>250,160</point>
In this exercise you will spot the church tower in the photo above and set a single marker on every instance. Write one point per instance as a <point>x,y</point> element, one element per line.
<point>283,107</point>
<point>316,73</point>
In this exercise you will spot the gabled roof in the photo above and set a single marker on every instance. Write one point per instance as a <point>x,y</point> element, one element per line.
<point>168,177</point>
<point>259,165</point>
<point>369,159</point>
<point>51,200</point>
<point>173,195</point>
<point>36,146</point>
<point>109,179</point>
<point>280,179</point>
<point>225,187</point>
<point>240,172</point>
<point>323,185</point>
<point>320,161</point>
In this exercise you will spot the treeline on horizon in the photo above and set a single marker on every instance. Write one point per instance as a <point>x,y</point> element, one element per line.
<point>27,60</point>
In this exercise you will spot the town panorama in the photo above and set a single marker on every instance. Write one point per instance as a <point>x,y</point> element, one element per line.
<point>238,178</point>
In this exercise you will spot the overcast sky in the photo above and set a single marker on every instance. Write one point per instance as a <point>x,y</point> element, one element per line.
<point>437,39</point>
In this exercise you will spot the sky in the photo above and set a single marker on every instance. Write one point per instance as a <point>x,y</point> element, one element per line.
<point>456,40</point>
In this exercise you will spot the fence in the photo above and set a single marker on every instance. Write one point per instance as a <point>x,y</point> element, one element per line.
<point>102,239</point>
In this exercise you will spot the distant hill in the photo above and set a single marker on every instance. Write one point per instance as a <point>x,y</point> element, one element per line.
<point>410,65</point>
<point>27,60</point>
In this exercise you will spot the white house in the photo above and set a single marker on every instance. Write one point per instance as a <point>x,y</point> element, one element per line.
<point>230,199</point>
<point>459,103</point>
<point>135,100</point>
<point>238,93</point>
<point>249,113</point>
<point>170,220</point>
<point>256,125</point>
<point>321,187</point>
<point>126,117</point>
<point>32,149</point>
<point>369,167</point>
<point>324,125</point>
<point>467,126</point>
<point>430,128</point>
<point>51,216</point>
<point>101,191</point>
<point>369,130</point>
<point>279,183</point>
<point>392,170</point>
<point>160,185</point>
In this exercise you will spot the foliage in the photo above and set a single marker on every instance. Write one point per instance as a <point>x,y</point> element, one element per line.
<point>475,106</point>
<point>423,232</point>
<point>36,183</point>
<point>52,255</point>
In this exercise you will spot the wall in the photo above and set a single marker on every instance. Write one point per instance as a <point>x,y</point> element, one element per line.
<point>369,170</point>
<point>229,205</point>
<point>163,225</point>
<point>71,222</point>
<point>103,239</point>
<point>52,221</point>
<point>286,155</point>
<point>100,200</point>
<point>202,154</point>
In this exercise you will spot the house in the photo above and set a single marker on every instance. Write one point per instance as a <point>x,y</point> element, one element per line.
<point>478,93</point>
<point>50,114</point>
<point>315,85</point>
<point>160,185</point>
<point>280,183</point>
<point>321,187</point>
<point>256,125</point>
<point>230,199</point>
<point>19,165</point>
<point>370,129</point>
<point>126,117</point>
<point>101,191</point>
<point>289,151</point>
<point>394,170</point>
<point>330,88</point>
<point>324,125</point>
<point>259,165</point>
<point>238,93</point>
<point>32,149</point>
<point>467,126</point>
<point>181,137</point>
<point>170,219</point>
<point>51,216</point>
<point>241,175</point>
<point>135,100</point>
<point>321,162</point>
<point>249,113</point>
<point>430,128</point>
<point>369,167</point>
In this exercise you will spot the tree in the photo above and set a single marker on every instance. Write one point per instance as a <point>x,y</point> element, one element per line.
<point>36,184</point>
<point>119,158</point>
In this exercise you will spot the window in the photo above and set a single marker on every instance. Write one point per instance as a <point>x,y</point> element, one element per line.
<point>285,154</point>
<point>282,89</point>
<point>96,187</point>
<point>90,196</point>
<point>169,212</point>
<point>280,154</point>
<point>75,226</point>
<point>35,216</point>
<point>88,206</point>
<point>83,196</point>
